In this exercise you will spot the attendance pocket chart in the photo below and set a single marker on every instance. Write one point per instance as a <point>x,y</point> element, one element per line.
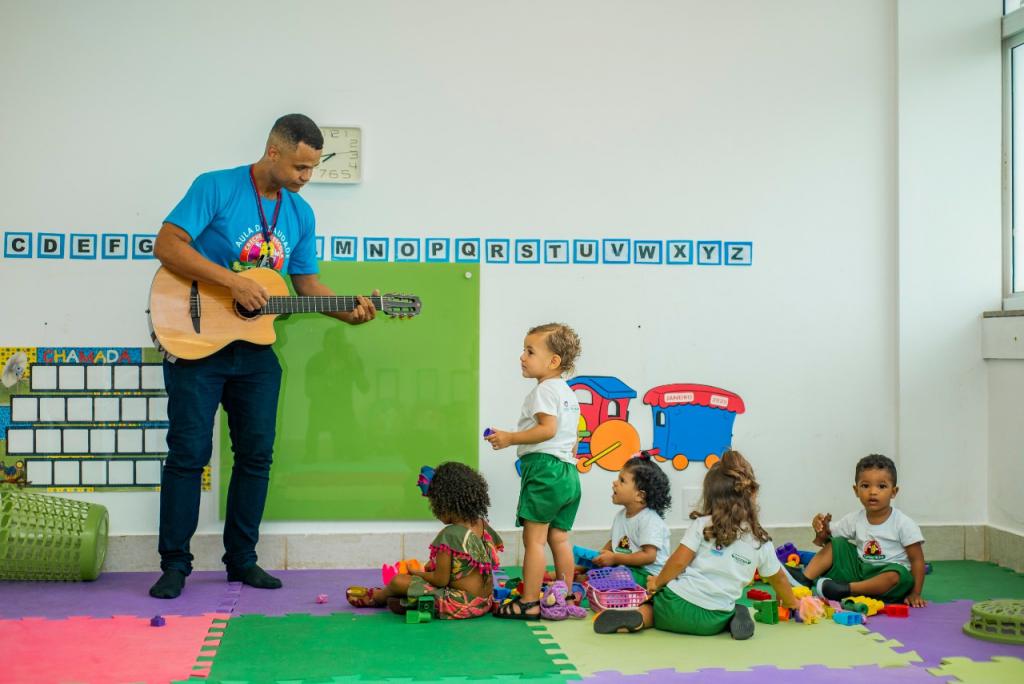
<point>82,419</point>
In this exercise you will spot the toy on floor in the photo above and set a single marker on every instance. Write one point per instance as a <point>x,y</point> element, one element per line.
<point>811,610</point>
<point>758,595</point>
<point>422,611</point>
<point>321,598</point>
<point>766,612</point>
<point>157,621</point>
<point>897,610</point>
<point>847,618</point>
<point>1000,620</point>
<point>613,589</point>
<point>863,604</point>
<point>801,592</point>
<point>402,567</point>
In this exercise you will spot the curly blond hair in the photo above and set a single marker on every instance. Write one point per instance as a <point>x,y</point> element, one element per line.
<point>563,341</point>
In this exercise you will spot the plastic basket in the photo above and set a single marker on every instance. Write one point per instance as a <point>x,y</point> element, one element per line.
<point>999,620</point>
<point>613,589</point>
<point>50,538</point>
<point>610,579</point>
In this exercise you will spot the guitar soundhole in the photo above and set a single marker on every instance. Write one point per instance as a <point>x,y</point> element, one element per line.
<point>245,313</point>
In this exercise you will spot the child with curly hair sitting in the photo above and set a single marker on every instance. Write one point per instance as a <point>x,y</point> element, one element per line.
<point>463,556</point>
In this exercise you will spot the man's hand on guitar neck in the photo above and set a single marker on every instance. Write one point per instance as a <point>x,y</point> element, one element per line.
<point>310,285</point>
<point>363,313</point>
<point>250,294</point>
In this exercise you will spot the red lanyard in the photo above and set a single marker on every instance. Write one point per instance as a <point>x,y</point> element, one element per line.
<point>267,230</point>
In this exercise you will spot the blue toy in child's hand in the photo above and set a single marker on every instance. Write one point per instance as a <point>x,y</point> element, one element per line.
<point>488,432</point>
<point>584,557</point>
<point>426,476</point>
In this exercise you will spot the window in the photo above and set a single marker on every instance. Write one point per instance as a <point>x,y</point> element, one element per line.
<point>584,396</point>
<point>613,409</point>
<point>1013,153</point>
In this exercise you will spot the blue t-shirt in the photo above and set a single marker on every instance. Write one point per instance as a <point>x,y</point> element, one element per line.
<point>219,213</point>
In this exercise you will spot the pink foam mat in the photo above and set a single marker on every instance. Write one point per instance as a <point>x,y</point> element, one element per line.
<point>89,650</point>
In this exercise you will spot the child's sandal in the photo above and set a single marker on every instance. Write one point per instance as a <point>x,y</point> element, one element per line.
<point>516,610</point>
<point>361,597</point>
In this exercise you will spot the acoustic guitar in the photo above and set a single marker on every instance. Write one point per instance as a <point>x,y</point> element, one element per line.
<point>192,320</point>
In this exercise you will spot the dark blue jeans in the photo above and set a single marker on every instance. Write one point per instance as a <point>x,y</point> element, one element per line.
<point>246,379</point>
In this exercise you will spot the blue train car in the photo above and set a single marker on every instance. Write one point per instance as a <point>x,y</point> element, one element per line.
<point>692,422</point>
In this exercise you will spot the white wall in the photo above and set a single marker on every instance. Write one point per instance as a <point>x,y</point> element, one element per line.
<point>771,122</point>
<point>1006,453</point>
<point>950,110</point>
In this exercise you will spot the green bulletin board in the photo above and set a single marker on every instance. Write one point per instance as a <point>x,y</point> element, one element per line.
<point>363,408</point>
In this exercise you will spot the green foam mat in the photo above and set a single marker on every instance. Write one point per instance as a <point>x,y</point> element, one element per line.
<point>379,647</point>
<point>787,645</point>
<point>999,670</point>
<point>971,581</point>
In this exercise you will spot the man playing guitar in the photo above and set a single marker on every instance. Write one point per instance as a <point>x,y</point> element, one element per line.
<point>229,221</point>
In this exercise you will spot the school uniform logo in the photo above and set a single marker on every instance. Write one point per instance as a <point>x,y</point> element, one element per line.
<point>624,545</point>
<point>872,551</point>
<point>258,253</point>
<point>742,560</point>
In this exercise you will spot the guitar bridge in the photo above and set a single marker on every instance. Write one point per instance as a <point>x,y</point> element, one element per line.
<point>194,308</point>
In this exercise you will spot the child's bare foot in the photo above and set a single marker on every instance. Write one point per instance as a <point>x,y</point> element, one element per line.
<point>365,597</point>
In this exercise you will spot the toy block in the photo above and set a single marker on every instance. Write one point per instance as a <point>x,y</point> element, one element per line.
<point>871,606</point>
<point>847,618</point>
<point>157,621</point>
<point>766,612</point>
<point>898,610</point>
<point>784,551</point>
<point>800,592</point>
<point>321,598</point>
<point>422,612</point>
<point>851,606</point>
<point>805,557</point>
<point>793,560</point>
<point>501,593</point>
<point>784,614</point>
<point>758,595</point>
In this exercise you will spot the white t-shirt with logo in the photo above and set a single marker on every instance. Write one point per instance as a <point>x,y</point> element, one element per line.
<point>646,528</point>
<point>554,398</point>
<point>717,576</point>
<point>879,544</point>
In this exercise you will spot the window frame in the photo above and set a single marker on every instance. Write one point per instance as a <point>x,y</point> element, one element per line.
<point>1013,37</point>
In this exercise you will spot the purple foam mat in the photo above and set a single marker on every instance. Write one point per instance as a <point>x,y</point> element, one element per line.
<point>936,632</point>
<point>116,593</point>
<point>301,587</point>
<point>812,674</point>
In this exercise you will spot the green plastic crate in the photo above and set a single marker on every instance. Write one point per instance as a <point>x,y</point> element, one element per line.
<point>1000,620</point>
<point>50,538</point>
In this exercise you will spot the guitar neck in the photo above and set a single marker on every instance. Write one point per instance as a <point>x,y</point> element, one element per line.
<point>316,304</point>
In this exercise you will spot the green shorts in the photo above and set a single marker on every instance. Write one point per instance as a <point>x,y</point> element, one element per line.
<point>673,613</point>
<point>549,491</point>
<point>847,566</point>
<point>640,575</point>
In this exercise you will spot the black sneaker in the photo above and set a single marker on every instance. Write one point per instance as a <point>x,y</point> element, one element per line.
<point>612,621</point>
<point>741,626</point>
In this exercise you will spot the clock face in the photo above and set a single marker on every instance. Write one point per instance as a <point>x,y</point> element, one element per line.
<point>341,160</point>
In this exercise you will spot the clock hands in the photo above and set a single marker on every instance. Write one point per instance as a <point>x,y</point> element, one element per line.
<point>327,156</point>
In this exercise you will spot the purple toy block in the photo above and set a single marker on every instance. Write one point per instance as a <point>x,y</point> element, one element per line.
<point>783,552</point>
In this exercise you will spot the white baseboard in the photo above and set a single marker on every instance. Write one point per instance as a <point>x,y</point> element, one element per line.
<point>337,550</point>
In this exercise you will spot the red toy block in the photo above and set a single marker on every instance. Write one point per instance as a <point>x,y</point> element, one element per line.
<point>784,614</point>
<point>758,595</point>
<point>898,610</point>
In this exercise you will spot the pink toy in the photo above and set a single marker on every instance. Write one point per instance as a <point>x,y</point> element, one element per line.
<point>402,567</point>
<point>321,598</point>
<point>811,610</point>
